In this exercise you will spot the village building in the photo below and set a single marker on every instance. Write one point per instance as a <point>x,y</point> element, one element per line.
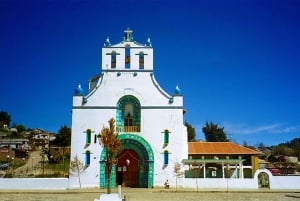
<point>220,160</point>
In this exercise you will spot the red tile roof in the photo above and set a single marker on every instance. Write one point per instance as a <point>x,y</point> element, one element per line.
<point>220,148</point>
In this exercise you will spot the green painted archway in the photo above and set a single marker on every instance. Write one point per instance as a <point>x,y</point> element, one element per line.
<point>144,151</point>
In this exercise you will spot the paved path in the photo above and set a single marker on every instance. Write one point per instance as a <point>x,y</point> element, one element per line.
<point>150,195</point>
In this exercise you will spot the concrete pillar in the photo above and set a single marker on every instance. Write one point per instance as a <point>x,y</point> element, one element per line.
<point>223,172</point>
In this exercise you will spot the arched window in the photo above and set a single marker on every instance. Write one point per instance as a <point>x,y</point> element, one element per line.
<point>128,117</point>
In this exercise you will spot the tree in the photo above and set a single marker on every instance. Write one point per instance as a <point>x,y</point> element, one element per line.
<point>282,150</point>
<point>245,143</point>
<point>21,128</point>
<point>195,171</point>
<point>191,132</point>
<point>112,145</point>
<point>63,138</point>
<point>5,119</point>
<point>77,167</point>
<point>214,133</point>
<point>178,172</point>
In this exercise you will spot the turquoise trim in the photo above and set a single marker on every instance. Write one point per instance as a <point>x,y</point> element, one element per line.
<point>144,151</point>
<point>120,115</point>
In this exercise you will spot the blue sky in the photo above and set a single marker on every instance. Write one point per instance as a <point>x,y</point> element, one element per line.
<point>236,62</point>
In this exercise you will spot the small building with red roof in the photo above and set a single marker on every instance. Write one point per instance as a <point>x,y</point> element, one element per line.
<point>220,160</point>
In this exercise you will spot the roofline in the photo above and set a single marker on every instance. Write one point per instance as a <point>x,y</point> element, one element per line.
<point>213,154</point>
<point>254,152</point>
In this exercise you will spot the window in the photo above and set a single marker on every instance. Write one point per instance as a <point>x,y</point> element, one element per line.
<point>128,120</point>
<point>128,116</point>
<point>95,139</point>
<point>213,173</point>
<point>113,59</point>
<point>127,57</point>
<point>87,158</point>
<point>141,60</point>
<point>166,157</point>
<point>88,136</point>
<point>166,136</point>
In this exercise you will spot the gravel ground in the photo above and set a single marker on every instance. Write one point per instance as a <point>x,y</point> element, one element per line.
<point>151,195</point>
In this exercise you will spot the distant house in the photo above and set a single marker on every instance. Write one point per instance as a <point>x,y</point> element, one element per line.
<point>3,135</point>
<point>220,160</point>
<point>282,165</point>
<point>14,143</point>
<point>42,139</point>
<point>6,154</point>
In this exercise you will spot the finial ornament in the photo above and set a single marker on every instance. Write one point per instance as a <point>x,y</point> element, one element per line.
<point>177,90</point>
<point>79,90</point>
<point>128,35</point>
<point>148,43</point>
<point>107,42</point>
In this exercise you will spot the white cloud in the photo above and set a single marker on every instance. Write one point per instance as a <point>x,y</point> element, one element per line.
<point>244,129</point>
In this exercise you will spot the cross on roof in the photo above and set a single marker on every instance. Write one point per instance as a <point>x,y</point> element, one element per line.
<point>128,36</point>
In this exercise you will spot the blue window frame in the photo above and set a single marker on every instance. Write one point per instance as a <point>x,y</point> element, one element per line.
<point>87,158</point>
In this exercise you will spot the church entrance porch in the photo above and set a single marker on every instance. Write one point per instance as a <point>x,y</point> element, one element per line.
<point>135,163</point>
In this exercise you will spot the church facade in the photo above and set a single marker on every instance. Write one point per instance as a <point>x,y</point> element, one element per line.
<point>149,121</point>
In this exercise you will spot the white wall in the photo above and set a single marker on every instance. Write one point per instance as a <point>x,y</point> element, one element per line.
<point>285,182</point>
<point>212,183</point>
<point>276,183</point>
<point>34,183</point>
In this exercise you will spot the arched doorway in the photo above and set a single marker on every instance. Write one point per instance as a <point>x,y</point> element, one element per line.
<point>128,168</point>
<point>263,180</point>
<point>140,162</point>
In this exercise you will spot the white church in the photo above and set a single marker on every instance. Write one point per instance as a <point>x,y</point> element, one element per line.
<point>149,120</point>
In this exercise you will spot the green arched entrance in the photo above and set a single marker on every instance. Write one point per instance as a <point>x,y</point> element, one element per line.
<point>137,151</point>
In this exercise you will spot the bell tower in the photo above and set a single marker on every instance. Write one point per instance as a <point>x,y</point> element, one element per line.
<point>127,55</point>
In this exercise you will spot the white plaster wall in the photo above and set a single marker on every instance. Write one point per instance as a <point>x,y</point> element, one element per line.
<point>213,183</point>
<point>113,87</point>
<point>285,182</point>
<point>83,119</point>
<point>34,183</point>
<point>154,123</point>
<point>134,59</point>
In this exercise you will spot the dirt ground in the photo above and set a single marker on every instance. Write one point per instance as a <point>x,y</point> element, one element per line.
<point>132,194</point>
